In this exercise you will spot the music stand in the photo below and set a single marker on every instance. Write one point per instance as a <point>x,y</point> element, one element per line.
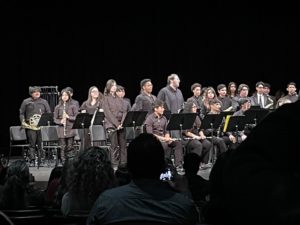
<point>226,113</point>
<point>167,114</point>
<point>181,121</point>
<point>256,115</point>
<point>46,120</point>
<point>255,107</point>
<point>134,119</point>
<point>236,123</point>
<point>99,119</point>
<point>82,121</point>
<point>211,121</point>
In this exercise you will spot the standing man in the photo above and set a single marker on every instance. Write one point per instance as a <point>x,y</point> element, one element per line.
<point>30,113</point>
<point>292,94</point>
<point>267,89</point>
<point>171,95</point>
<point>223,98</point>
<point>196,98</point>
<point>259,97</point>
<point>145,100</point>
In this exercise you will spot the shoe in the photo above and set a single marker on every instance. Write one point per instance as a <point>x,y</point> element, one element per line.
<point>32,163</point>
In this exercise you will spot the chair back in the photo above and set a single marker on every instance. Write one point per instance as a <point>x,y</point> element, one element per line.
<point>18,139</point>
<point>98,133</point>
<point>17,133</point>
<point>49,134</point>
<point>78,217</point>
<point>4,219</point>
<point>26,216</point>
<point>50,142</point>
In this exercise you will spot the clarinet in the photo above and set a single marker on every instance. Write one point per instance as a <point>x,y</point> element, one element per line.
<point>64,118</point>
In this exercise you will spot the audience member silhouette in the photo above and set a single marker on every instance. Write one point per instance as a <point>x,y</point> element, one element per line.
<point>16,192</point>
<point>197,185</point>
<point>122,175</point>
<point>53,184</point>
<point>89,175</point>
<point>259,182</point>
<point>145,198</point>
<point>3,170</point>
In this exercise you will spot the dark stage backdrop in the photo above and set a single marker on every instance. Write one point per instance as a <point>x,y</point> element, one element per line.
<point>51,46</point>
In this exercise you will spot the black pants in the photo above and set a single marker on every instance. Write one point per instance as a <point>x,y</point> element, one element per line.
<point>35,143</point>
<point>200,147</point>
<point>117,147</point>
<point>175,147</point>
<point>66,147</point>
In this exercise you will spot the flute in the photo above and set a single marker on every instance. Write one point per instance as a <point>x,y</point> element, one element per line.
<point>64,118</point>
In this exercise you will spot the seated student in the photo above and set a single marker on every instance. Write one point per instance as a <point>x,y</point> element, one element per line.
<point>156,124</point>
<point>215,109</point>
<point>233,139</point>
<point>260,180</point>
<point>145,198</point>
<point>198,144</point>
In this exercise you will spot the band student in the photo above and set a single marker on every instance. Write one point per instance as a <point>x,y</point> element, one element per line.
<point>30,113</point>
<point>171,95</point>
<point>64,115</point>
<point>94,102</point>
<point>115,112</point>
<point>144,101</point>
<point>156,124</point>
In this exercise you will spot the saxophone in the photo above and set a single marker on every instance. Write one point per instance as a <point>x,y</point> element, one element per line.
<point>271,104</point>
<point>33,122</point>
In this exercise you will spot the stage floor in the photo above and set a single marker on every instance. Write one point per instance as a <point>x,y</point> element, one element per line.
<point>42,174</point>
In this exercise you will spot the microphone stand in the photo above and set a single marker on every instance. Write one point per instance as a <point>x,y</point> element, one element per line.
<point>91,126</point>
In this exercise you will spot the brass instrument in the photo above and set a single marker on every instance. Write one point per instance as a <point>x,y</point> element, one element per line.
<point>33,122</point>
<point>64,119</point>
<point>270,105</point>
<point>228,109</point>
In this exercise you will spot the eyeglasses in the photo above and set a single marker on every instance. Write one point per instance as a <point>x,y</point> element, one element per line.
<point>194,106</point>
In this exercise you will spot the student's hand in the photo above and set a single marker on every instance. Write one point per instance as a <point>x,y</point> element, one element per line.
<point>232,138</point>
<point>244,137</point>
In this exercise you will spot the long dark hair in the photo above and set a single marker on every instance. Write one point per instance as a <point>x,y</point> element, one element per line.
<point>90,174</point>
<point>14,195</point>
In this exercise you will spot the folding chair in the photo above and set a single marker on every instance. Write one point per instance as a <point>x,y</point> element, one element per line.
<point>98,136</point>
<point>18,139</point>
<point>77,141</point>
<point>50,142</point>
